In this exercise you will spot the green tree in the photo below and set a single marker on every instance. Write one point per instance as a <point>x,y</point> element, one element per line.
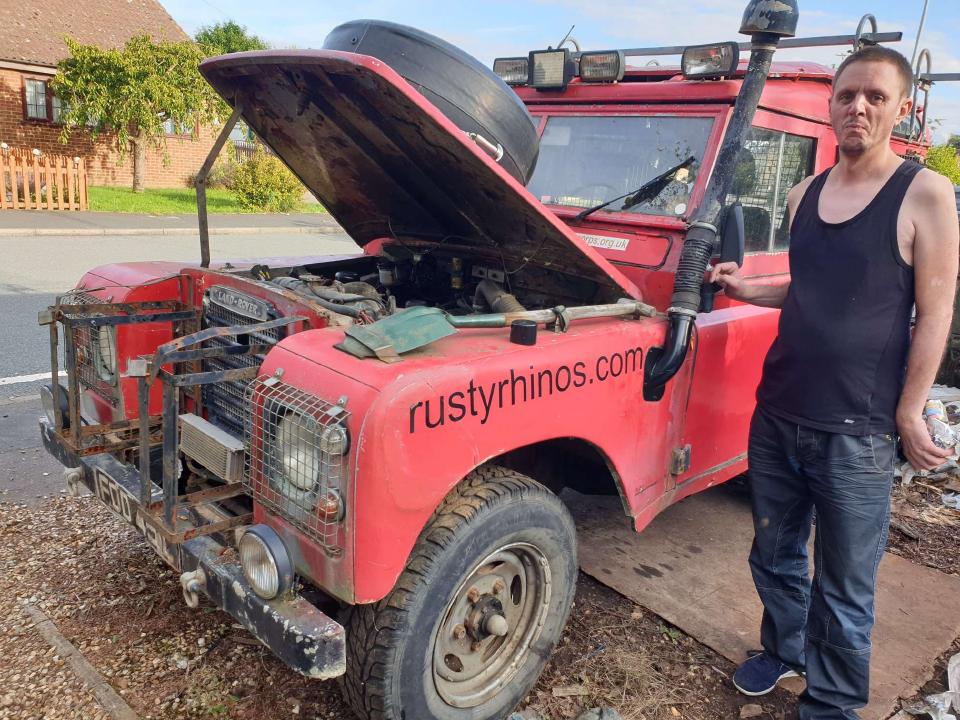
<point>954,142</point>
<point>227,37</point>
<point>132,92</point>
<point>943,159</point>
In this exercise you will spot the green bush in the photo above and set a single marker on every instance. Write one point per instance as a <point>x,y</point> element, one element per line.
<point>943,159</point>
<point>264,183</point>
<point>222,173</point>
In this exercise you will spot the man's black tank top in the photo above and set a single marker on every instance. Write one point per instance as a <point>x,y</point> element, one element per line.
<point>839,360</point>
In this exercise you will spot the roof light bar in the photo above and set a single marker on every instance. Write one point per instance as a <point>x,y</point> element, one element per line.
<point>606,66</point>
<point>512,70</point>
<point>550,69</point>
<point>710,62</point>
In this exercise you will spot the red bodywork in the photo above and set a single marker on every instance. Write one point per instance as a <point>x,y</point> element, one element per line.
<point>420,425</point>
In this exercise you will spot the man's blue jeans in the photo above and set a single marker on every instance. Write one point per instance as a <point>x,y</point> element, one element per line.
<point>822,628</point>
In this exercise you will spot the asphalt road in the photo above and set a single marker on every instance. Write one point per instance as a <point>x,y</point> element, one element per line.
<point>33,270</point>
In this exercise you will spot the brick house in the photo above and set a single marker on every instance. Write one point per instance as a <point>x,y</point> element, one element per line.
<point>31,44</point>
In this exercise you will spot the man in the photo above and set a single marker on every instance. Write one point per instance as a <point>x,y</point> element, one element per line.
<point>869,238</point>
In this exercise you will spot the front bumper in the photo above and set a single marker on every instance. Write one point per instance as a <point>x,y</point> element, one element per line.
<point>297,632</point>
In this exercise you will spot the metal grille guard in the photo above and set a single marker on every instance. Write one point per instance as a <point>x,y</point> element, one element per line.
<point>175,365</point>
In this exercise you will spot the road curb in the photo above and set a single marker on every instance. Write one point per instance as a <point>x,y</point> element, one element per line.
<point>109,700</point>
<point>285,229</point>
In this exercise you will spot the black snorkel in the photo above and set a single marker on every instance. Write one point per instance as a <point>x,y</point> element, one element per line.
<point>766,22</point>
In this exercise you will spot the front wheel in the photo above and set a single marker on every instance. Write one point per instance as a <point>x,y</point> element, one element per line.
<point>473,618</point>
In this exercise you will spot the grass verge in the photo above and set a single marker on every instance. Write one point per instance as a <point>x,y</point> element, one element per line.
<point>170,201</point>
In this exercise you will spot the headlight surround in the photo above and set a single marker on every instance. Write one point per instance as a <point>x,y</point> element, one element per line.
<point>265,562</point>
<point>105,353</point>
<point>307,456</point>
<point>293,474</point>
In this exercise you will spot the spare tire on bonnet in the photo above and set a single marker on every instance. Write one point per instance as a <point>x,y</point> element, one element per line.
<point>471,95</point>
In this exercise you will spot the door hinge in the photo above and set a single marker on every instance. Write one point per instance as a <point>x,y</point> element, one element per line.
<point>680,460</point>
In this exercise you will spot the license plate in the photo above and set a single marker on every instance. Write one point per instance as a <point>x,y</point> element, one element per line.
<point>119,499</point>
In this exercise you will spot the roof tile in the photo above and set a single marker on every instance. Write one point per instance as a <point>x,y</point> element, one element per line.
<point>32,31</point>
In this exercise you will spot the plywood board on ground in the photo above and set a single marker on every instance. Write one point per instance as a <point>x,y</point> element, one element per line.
<point>690,568</point>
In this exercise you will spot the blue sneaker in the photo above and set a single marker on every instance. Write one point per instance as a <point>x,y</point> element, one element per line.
<point>760,674</point>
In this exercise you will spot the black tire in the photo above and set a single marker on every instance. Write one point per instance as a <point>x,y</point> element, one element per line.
<point>469,93</point>
<point>392,673</point>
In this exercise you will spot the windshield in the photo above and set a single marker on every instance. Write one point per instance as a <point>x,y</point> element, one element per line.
<point>585,161</point>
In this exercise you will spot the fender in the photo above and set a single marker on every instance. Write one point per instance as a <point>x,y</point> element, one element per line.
<point>448,408</point>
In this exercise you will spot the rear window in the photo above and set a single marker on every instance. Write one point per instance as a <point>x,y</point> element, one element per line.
<point>585,161</point>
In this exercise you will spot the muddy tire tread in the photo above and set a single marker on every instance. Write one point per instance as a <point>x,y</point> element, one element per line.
<point>372,628</point>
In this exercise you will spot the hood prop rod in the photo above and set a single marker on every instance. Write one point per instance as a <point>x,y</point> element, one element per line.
<point>200,182</point>
<point>766,21</point>
<point>559,316</point>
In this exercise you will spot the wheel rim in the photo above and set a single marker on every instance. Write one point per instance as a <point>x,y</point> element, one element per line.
<point>487,629</point>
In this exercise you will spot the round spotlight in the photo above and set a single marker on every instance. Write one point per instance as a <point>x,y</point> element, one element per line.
<point>265,561</point>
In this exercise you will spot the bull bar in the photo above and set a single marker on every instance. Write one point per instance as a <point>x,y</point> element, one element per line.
<point>188,531</point>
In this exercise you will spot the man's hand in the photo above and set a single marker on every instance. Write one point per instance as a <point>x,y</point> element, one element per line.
<point>727,275</point>
<point>917,445</point>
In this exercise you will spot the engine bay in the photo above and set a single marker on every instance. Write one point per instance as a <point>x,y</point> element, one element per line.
<point>370,288</point>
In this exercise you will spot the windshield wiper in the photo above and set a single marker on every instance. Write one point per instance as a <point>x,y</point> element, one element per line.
<point>647,191</point>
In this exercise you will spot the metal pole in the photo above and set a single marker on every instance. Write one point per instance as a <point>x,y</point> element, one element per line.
<point>201,184</point>
<point>56,388</point>
<point>916,44</point>
<point>143,401</point>
<point>171,419</point>
<point>917,86</point>
<point>73,382</point>
<point>788,43</point>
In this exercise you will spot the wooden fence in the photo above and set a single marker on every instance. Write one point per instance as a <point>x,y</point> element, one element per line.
<point>243,150</point>
<point>42,182</point>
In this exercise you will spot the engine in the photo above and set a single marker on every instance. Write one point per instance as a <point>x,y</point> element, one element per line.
<point>368,289</point>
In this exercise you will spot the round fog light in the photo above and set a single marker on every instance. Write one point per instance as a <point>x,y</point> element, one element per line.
<point>46,401</point>
<point>265,562</point>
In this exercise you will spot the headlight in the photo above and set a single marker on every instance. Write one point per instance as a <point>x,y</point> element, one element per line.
<point>265,562</point>
<point>710,62</point>
<point>605,66</point>
<point>298,451</point>
<point>105,354</point>
<point>513,70</point>
<point>550,69</point>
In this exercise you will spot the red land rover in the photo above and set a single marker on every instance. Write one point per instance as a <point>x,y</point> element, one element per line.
<point>360,457</point>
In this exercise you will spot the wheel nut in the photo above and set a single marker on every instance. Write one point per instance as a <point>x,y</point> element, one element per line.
<point>459,632</point>
<point>473,595</point>
<point>498,587</point>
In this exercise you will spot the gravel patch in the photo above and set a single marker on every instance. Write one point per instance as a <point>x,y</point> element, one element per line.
<point>121,607</point>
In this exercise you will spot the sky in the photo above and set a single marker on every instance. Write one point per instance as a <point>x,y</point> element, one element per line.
<point>498,28</point>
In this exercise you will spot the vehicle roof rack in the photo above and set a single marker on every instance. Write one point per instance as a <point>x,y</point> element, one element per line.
<point>857,40</point>
<point>922,82</point>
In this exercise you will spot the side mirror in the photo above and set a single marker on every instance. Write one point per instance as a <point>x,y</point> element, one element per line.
<point>732,242</point>
<point>732,235</point>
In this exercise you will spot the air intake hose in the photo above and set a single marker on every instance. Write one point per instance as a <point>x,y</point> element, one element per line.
<point>701,241</point>
<point>498,299</point>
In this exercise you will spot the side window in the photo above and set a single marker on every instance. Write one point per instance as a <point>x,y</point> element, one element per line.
<point>36,97</point>
<point>770,163</point>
